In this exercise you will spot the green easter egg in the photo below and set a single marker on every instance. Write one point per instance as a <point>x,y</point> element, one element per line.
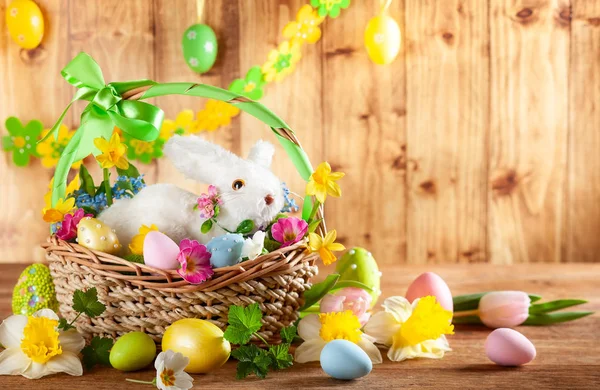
<point>199,44</point>
<point>34,291</point>
<point>132,351</point>
<point>359,265</point>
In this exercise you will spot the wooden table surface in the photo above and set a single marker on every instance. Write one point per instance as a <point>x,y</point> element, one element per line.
<point>568,355</point>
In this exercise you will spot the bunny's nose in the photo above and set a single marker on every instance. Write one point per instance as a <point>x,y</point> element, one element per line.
<point>269,199</point>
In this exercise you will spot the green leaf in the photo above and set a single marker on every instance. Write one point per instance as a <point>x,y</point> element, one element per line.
<point>280,356</point>
<point>131,171</point>
<point>98,352</point>
<point>101,189</point>
<point>554,305</point>
<point>271,245</point>
<point>471,301</point>
<point>64,325</point>
<point>87,302</point>
<point>206,226</point>
<point>351,283</point>
<point>318,291</point>
<point>467,320</point>
<point>125,185</point>
<point>314,225</point>
<point>245,226</point>
<point>217,210</point>
<point>89,210</point>
<point>87,182</point>
<point>243,322</point>
<point>288,333</point>
<point>134,258</point>
<point>555,318</point>
<point>251,360</point>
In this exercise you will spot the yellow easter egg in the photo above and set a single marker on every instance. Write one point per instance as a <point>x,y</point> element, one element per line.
<point>25,23</point>
<point>382,39</point>
<point>93,234</point>
<point>199,340</point>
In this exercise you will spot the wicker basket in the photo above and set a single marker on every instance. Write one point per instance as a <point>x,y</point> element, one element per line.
<point>142,298</point>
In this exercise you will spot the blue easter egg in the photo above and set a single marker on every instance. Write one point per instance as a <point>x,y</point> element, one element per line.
<point>225,250</point>
<point>342,359</point>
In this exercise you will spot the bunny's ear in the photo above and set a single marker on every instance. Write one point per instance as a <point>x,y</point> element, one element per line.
<point>199,159</point>
<point>262,153</point>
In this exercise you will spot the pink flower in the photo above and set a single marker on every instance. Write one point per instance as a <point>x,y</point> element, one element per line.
<point>195,262</point>
<point>349,298</point>
<point>504,309</point>
<point>289,231</point>
<point>68,229</point>
<point>208,202</point>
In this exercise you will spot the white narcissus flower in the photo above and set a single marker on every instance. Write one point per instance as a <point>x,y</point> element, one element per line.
<point>253,246</point>
<point>169,371</point>
<point>35,347</point>
<point>318,329</point>
<point>412,331</point>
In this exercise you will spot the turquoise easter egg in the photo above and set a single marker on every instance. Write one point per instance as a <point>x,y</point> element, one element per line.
<point>342,359</point>
<point>200,47</point>
<point>358,264</point>
<point>225,250</point>
<point>34,291</point>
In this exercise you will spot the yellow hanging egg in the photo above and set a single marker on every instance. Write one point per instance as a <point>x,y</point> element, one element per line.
<point>25,23</point>
<point>382,39</point>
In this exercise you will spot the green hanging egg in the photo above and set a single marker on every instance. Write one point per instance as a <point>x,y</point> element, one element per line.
<point>359,265</point>
<point>199,47</point>
<point>34,291</point>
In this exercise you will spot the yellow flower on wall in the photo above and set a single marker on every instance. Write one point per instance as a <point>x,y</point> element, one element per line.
<point>281,61</point>
<point>51,149</point>
<point>215,114</point>
<point>182,124</point>
<point>305,28</point>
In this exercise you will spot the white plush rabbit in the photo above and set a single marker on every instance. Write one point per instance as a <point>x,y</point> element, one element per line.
<point>248,190</point>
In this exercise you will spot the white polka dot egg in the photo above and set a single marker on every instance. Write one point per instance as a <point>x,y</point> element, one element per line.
<point>93,234</point>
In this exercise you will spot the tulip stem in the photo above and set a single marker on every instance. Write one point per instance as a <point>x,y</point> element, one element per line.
<point>108,190</point>
<point>466,313</point>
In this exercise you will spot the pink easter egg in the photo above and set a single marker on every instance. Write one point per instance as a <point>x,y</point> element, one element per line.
<point>430,283</point>
<point>160,251</point>
<point>507,347</point>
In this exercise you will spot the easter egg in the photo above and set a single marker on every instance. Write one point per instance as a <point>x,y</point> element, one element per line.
<point>382,39</point>
<point>160,251</point>
<point>199,47</point>
<point>225,250</point>
<point>132,351</point>
<point>34,291</point>
<point>358,264</point>
<point>199,340</point>
<point>430,283</point>
<point>94,234</point>
<point>25,23</point>
<point>507,347</point>
<point>342,359</point>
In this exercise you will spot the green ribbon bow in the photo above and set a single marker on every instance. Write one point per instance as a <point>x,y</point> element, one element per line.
<point>106,109</point>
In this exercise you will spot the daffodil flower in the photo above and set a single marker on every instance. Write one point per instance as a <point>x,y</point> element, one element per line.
<point>412,331</point>
<point>322,182</point>
<point>318,329</point>
<point>325,246</point>
<point>58,212</point>
<point>35,347</point>
<point>113,152</point>
<point>137,242</point>
<point>71,188</point>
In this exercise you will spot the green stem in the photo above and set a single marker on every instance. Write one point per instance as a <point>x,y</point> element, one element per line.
<point>108,190</point>
<point>262,339</point>
<point>315,208</point>
<point>466,313</point>
<point>75,319</point>
<point>153,382</point>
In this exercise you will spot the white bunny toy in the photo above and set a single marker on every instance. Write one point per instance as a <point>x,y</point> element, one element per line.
<point>248,190</point>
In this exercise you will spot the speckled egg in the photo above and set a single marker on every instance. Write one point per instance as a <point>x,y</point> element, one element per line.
<point>358,264</point>
<point>225,250</point>
<point>34,291</point>
<point>94,234</point>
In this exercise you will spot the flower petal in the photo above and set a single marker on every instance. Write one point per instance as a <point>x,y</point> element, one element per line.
<point>382,326</point>
<point>176,361</point>
<point>183,381</point>
<point>371,350</point>
<point>400,307</point>
<point>309,327</point>
<point>336,247</point>
<point>13,361</point>
<point>46,313</point>
<point>11,331</point>
<point>71,341</point>
<point>309,351</point>
<point>334,189</point>
<point>66,362</point>
<point>36,371</point>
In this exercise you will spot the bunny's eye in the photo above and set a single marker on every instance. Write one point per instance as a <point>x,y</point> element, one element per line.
<point>238,184</point>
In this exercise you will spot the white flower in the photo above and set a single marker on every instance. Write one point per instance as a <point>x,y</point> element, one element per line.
<point>412,331</point>
<point>253,247</point>
<point>191,35</point>
<point>318,329</point>
<point>169,371</point>
<point>35,347</point>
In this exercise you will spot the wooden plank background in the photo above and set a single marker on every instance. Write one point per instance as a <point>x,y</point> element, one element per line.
<point>480,143</point>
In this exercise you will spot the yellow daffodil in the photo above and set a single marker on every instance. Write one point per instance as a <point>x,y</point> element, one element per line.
<point>412,331</point>
<point>35,347</point>
<point>318,329</point>
<point>113,152</point>
<point>137,242</point>
<point>214,115</point>
<point>305,28</point>
<point>182,124</point>
<point>71,188</point>
<point>51,149</point>
<point>58,212</point>
<point>325,246</point>
<point>323,182</point>
<point>281,61</point>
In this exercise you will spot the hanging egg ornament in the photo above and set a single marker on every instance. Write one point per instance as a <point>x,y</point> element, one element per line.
<point>199,47</point>
<point>382,39</point>
<point>25,23</point>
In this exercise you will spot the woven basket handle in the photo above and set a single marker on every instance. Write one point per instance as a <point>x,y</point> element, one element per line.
<point>282,131</point>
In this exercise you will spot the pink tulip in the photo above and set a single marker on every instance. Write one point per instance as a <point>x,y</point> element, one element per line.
<point>504,309</point>
<point>354,299</point>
